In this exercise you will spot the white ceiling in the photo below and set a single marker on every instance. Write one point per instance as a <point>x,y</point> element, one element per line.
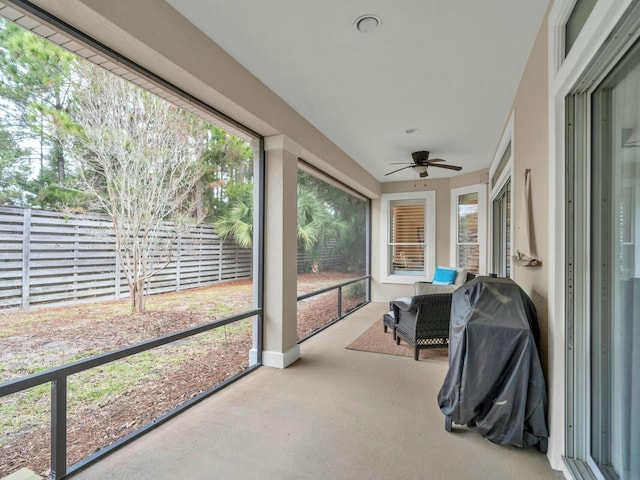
<point>449,68</point>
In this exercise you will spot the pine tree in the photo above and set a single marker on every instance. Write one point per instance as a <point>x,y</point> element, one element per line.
<point>37,83</point>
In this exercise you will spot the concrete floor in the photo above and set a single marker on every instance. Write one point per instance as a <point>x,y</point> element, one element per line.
<point>333,414</point>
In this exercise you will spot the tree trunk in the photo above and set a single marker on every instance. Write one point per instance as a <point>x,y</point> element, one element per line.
<point>200,210</point>
<point>58,159</point>
<point>61,169</point>
<point>137,297</point>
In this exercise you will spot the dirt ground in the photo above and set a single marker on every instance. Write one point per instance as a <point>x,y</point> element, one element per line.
<point>76,331</point>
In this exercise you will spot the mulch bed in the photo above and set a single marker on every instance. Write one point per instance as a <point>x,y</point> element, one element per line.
<point>93,426</point>
<point>96,426</point>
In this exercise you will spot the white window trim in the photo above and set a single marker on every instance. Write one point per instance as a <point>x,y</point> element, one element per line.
<point>505,140</point>
<point>481,190</point>
<point>506,175</point>
<point>430,236</point>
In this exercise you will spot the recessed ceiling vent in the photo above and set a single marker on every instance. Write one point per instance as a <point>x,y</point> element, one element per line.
<point>367,23</point>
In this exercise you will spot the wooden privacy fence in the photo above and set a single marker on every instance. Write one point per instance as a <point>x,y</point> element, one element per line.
<point>327,258</point>
<point>55,258</point>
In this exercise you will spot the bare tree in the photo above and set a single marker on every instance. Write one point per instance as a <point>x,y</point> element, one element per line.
<point>139,162</point>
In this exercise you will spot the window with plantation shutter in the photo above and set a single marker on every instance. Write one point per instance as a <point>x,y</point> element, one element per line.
<point>408,239</point>
<point>407,236</point>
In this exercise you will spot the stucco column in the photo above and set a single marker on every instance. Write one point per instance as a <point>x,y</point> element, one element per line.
<point>280,263</point>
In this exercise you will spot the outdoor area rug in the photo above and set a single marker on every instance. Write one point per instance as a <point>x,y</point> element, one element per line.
<point>374,340</point>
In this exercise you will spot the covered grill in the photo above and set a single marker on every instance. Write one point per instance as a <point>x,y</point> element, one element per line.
<point>495,384</point>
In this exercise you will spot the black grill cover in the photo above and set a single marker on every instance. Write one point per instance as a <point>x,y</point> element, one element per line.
<point>495,384</point>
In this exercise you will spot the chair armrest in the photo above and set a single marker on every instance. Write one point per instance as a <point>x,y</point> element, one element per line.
<point>404,304</point>
<point>428,288</point>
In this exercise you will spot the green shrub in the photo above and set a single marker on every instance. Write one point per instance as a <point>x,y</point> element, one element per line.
<point>355,290</point>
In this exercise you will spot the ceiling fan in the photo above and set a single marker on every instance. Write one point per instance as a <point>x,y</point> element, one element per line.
<point>421,159</point>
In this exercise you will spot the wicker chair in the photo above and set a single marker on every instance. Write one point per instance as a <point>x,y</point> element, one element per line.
<point>422,320</point>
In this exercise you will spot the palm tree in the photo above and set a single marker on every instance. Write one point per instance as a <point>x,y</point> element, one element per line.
<point>238,220</point>
<point>351,212</point>
<point>316,222</point>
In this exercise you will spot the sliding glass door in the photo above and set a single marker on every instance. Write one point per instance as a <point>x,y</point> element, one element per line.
<point>615,273</point>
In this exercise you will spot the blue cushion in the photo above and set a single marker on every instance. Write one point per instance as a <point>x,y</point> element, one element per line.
<point>444,276</point>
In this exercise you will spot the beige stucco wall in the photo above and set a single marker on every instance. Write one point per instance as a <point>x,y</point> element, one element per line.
<point>531,150</point>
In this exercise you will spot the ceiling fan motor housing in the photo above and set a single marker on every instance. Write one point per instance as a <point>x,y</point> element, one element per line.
<point>420,157</point>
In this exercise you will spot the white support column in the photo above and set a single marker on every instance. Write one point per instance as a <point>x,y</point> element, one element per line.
<point>280,263</point>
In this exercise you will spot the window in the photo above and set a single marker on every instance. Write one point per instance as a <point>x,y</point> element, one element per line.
<point>170,158</point>
<point>576,21</point>
<point>468,227</point>
<point>409,240</point>
<point>333,239</point>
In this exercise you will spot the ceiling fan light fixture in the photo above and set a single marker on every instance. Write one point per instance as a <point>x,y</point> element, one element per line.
<point>367,23</point>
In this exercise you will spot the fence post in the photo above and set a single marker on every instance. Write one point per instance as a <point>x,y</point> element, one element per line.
<point>26,255</point>
<point>198,250</point>
<point>179,247</point>
<point>118,275</point>
<point>221,259</point>
<point>76,258</point>
<point>59,427</point>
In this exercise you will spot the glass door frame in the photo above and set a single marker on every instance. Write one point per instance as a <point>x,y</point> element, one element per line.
<point>582,146</point>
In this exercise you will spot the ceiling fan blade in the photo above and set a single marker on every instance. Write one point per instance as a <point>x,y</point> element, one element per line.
<point>394,171</point>
<point>400,163</point>
<point>450,167</point>
<point>431,160</point>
